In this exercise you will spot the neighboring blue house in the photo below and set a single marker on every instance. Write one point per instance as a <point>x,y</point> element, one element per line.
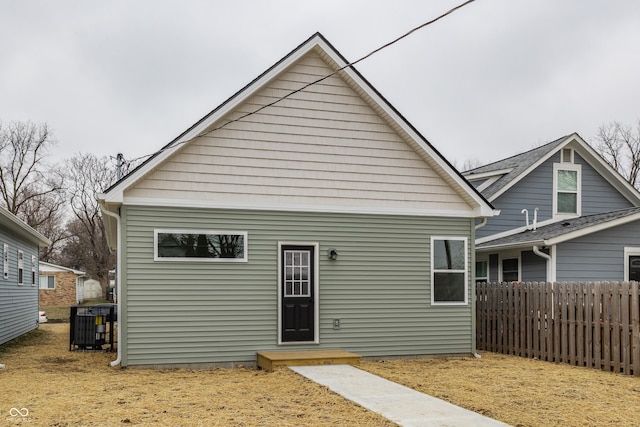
<point>566,215</point>
<point>19,245</point>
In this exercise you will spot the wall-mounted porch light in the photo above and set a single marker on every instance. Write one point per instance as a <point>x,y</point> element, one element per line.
<point>333,254</point>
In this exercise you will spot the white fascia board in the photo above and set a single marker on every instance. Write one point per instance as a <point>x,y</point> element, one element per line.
<point>607,171</point>
<point>115,195</point>
<point>48,267</point>
<point>476,176</point>
<point>519,245</point>
<point>22,228</point>
<point>517,230</point>
<point>210,204</point>
<point>590,230</point>
<point>390,112</point>
<point>532,167</point>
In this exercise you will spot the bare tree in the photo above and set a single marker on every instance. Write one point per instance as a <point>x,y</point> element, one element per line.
<point>30,188</point>
<point>619,145</point>
<point>87,247</point>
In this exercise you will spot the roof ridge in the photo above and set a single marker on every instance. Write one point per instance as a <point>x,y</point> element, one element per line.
<point>518,154</point>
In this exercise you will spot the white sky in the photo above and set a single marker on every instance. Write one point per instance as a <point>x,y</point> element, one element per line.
<point>491,80</point>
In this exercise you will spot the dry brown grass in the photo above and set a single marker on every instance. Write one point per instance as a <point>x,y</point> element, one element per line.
<point>62,388</point>
<point>522,392</point>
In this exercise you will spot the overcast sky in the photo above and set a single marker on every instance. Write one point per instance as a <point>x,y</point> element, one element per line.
<point>493,79</point>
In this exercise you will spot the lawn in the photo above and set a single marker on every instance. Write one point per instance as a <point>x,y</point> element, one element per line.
<point>62,388</point>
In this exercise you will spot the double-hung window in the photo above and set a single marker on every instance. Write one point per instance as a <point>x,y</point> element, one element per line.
<point>482,271</point>
<point>449,270</point>
<point>47,282</point>
<point>566,185</point>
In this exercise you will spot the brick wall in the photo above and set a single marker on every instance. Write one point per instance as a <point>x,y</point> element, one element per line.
<point>64,292</point>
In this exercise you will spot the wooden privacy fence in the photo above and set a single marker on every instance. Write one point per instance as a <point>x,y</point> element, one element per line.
<point>592,324</point>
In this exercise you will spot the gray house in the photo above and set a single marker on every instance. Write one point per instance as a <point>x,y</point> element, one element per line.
<point>566,215</point>
<point>323,221</point>
<point>19,245</point>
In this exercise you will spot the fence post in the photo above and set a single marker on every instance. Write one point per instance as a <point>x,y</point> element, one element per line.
<point>635,319</point>
<point>625,344</point>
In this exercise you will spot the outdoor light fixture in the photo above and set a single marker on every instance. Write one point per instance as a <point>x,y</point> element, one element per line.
<point>333,254</point>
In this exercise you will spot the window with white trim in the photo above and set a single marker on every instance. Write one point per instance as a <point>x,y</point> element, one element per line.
<point>632,264</point>
<point>47,281</point>
<point>33,270</point>
<point>482,271</point>
<point>20,267</point>
<point>511,269</point>
<point>200,245</point>
<point>5,261</point>
<point>566,189</point>
<point>449,262</point>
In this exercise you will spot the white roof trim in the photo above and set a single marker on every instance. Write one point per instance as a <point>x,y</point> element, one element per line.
<point>211,204</point>
<point>476,176</point>
<point>533,167</point>
<point>590,230</point>
<point>48,267</point>
<point>115,194</point>
<point>596,161</point>
<point>22,228</point>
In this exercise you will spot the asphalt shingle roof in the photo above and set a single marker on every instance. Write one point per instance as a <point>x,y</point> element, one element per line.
<point>558,229</point>
<point>518,163</point>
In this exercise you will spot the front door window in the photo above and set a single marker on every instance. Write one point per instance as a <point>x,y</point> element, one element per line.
<point>298,308</point>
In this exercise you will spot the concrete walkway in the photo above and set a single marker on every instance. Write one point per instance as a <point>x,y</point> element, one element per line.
<point>395,402</point>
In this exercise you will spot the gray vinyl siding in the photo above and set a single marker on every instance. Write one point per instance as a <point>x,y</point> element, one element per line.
<point>379,287</point>
<point>494,267</point>
<point>534,268</point>
<point>18,303</point>
<point>598,256</point>
<point>598,195</point>
<point>536,191</point>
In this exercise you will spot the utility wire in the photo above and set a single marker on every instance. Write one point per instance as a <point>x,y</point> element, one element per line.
<point>244,116</point>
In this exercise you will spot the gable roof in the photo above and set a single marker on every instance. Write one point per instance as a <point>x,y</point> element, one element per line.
<point>114,196</point>
<point>504,174</point>
<point>48,267</point>
<point>22,229</point>
<point>565,230</point>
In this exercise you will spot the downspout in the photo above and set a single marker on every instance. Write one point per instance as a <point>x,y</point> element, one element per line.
<point>479,225</point>
<point>118,284</point>
<point>482,223</point>
<point>537,251</point>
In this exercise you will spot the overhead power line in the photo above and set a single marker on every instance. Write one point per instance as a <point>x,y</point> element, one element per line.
<point>350,64</point>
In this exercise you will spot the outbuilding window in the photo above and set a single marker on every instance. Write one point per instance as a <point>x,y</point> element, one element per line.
<point>449,270</point>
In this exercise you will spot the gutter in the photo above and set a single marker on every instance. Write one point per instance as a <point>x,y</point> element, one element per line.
<point>118,282</point>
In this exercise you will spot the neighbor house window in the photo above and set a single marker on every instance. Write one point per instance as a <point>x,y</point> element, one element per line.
<point>632,264</point>
<point>200,245</point>
<point>5,261</point>
<point>449,270</point>
<point>566,184</point>
<point>47,282</point>
<point>33,270</point>
<point>511,270</point>
<point>20,267</point>
<point>482,271</point>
